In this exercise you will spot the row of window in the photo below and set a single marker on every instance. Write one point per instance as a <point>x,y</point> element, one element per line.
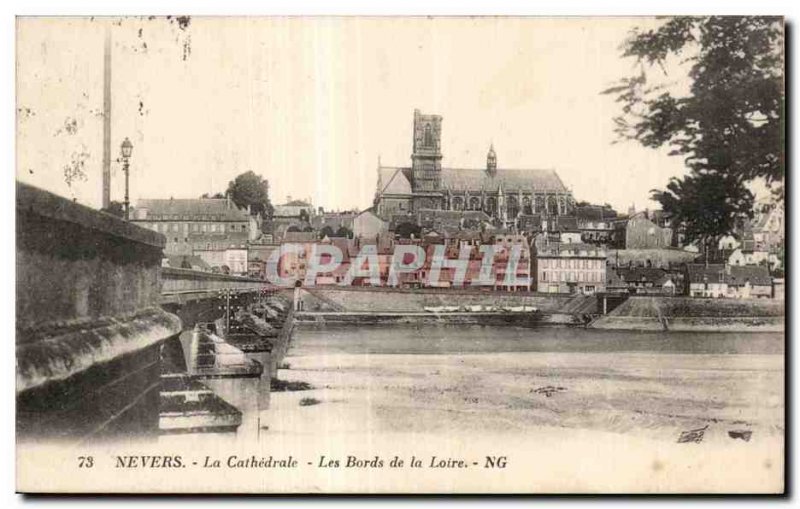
<point>571,263</point>
<point>217,246</point>
<point>184,217</point>
<point>564,276</point>
<point>197,227</point>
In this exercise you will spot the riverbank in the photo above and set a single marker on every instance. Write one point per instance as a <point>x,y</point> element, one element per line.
<point>695,314</point>
<point>371,306</point>
<point>589,395</point>
<point>519,319</point>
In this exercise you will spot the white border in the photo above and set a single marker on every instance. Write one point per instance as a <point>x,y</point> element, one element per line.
<point>10,9</point>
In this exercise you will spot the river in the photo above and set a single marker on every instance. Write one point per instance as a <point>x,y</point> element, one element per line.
<point>446,379</point>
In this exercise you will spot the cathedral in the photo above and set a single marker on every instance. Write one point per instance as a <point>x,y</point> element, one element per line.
<point>505,195</point>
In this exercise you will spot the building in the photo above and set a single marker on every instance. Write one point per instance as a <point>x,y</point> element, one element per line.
<point>331,223</point>
<point>503,194</point>
<point>706,280</point>
<point>213,229</point>
<point>367,224</point>
<point>521,280</point>
<point>596,223</point>
<point>569,268</point>
<point>749,282</point>
<point>647,281</point>
<point>294,209</point>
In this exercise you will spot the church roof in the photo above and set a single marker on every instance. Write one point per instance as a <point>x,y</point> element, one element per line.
<point>393,181</point>
<point>463,179</point>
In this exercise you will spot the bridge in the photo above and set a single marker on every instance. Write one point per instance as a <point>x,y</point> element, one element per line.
<point>96,317</point>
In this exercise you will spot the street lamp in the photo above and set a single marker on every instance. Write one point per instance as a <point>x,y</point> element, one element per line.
<point>126,148</point>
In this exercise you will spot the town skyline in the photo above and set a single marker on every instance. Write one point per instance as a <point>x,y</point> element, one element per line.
<point>344,109</point>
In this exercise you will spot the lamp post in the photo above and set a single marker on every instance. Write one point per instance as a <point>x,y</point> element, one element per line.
<point>126,148</point>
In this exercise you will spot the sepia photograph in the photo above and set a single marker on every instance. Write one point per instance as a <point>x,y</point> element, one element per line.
<point>400,255</point>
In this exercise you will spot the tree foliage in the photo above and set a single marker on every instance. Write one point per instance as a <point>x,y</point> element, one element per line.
<point>344,231</point>
<point>706,204</point>
<point>326,231</point>
<point>731,120</point>
<point>249,189</point>
<point>728,126</point>
<point>115,208</point>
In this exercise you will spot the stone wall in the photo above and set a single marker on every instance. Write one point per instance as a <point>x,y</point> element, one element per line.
<point>399,300</point>
<point>88,322</point>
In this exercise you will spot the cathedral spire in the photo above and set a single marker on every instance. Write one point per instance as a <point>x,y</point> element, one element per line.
<point>491,161</point>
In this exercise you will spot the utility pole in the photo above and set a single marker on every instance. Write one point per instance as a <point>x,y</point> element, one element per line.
<point>107,118</point>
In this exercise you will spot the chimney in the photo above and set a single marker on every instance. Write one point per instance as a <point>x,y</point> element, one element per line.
<point>228,200</point>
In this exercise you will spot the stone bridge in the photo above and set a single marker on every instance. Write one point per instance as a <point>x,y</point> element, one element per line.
<point>94,311</point>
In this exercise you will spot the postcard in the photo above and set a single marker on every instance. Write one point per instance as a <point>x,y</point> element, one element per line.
<point>400,255</point>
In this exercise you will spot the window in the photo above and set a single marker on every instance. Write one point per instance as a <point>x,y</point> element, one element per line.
<point>428,141</point>
<point>544,275</point>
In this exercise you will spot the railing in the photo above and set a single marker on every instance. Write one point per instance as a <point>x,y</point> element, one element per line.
<point>190,284</point>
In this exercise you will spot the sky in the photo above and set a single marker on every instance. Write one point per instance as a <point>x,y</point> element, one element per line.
<point>311,104</point>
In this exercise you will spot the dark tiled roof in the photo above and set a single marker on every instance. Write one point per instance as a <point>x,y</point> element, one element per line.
<point>643,274</point>
<point>756,275</point>
<point>194,209</point>
<point>699,273</point>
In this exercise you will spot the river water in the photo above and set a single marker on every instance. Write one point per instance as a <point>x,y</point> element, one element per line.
<point>454,339</point>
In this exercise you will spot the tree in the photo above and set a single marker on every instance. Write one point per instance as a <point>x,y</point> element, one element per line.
<point>407,230</point>
<point>304,215</point>
<point>731,120</point>
<point>326,231</point>
<point>115,208</point>
<point>216,196</point>
<point>253,190</point>
<point>343,231</point>
<point>706,204</point>
<point>728,127</point>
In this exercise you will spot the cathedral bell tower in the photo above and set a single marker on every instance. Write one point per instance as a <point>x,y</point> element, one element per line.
<point>491,162</point>
<point>426,161</point>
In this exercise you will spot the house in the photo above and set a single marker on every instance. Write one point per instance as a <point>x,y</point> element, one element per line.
<point>706,280</point>
<point>521,279</point>
<point>189,225</point>
<point>368,225</point>
<point>294,209</point>
<point>220,252</point>
<point>749,282</point>
<point>569,268</point>
<point>646,281</point>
